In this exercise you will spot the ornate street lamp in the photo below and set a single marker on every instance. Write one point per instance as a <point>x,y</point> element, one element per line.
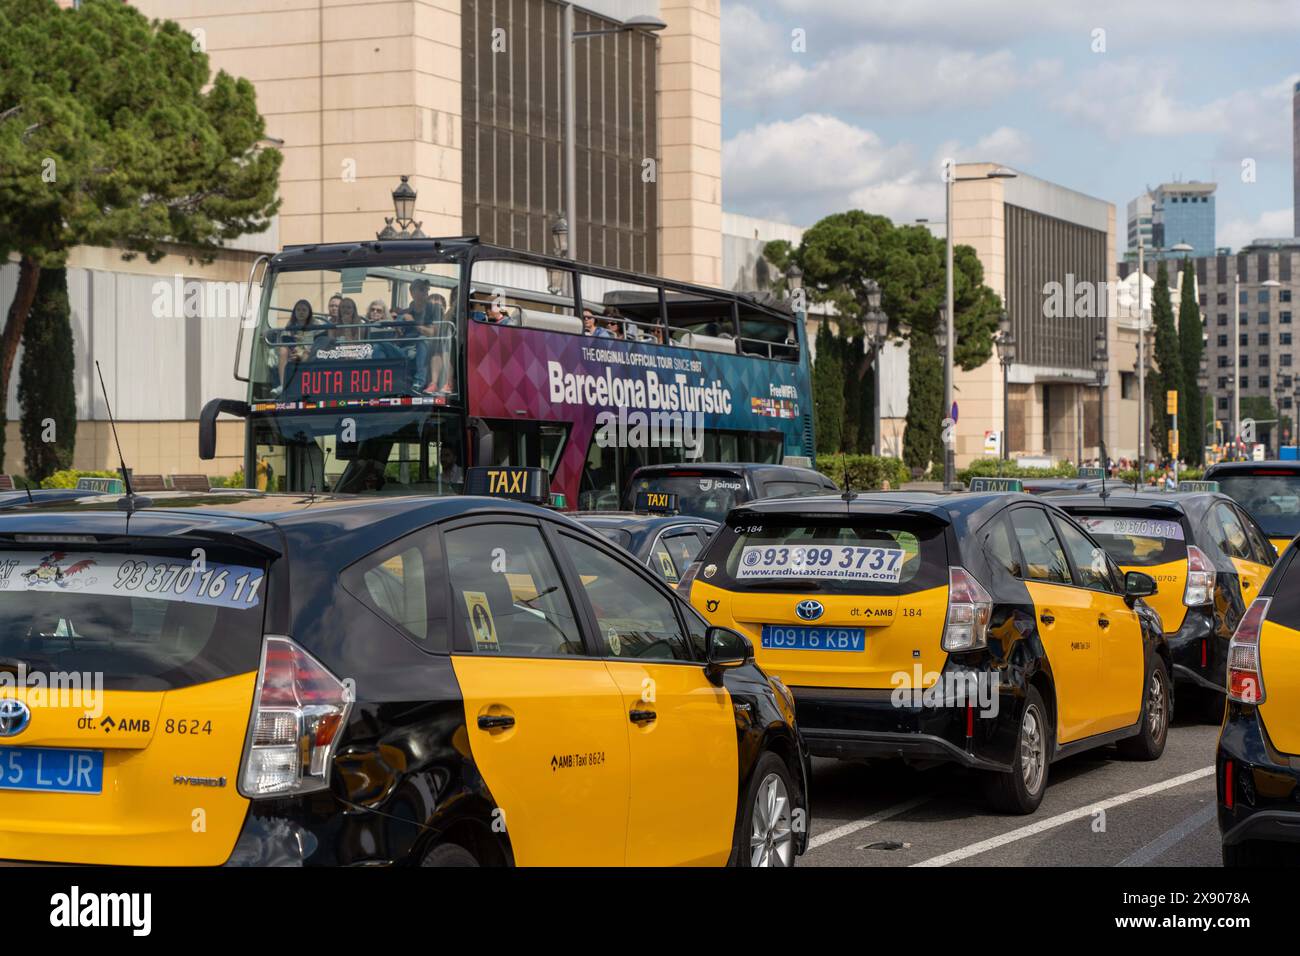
<point>1006,343</point>
<point>875,329</point>
<point>1101,365</point>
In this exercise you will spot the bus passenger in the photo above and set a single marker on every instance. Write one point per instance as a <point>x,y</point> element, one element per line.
<point>350,320</point>
<point>614,323</point>
<point>431,366</point>
<point>589,326</point>
<point>333,306</point>
<point>376,312</point>
<point>448,471</point>
<point>296,339</point>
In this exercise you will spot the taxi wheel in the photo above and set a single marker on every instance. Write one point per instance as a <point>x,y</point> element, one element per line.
<point>1020,790</point>
<point>766,834</point>
<point>449,854</point>
<point>1150,743</point>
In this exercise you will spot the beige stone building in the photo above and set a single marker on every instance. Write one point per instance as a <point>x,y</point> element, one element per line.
<point>462,96</point>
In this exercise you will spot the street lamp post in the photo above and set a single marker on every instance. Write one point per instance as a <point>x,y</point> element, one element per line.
<point>1006,343</point>
<point>404,196</point>
<point>1100,364</point>
<point>950,177</point>
<point>568,38</point>
<point>875,329</point>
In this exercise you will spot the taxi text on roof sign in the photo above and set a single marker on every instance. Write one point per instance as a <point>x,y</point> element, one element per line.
<point>1092,473</point>
<point>1198,486</point>
<point>656,502</point>
<point>996,484</point>
<point>503,481</point>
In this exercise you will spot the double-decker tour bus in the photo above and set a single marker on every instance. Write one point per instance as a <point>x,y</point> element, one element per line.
<point>389,367</point>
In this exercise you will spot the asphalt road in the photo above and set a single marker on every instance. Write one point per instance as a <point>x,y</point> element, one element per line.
<point>1099,810</point>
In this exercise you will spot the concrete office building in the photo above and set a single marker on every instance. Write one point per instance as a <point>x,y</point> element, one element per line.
<point>1140,212</point>
<point>1267,341</point>
<point>464,96</point>
<point>1029,234</point>
<point>1295,157</point>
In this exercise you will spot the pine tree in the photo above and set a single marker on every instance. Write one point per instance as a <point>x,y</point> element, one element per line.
<point>1191,407</point>
<point>46,380</point>
<point>828,392</point>
<point>1168,360</point>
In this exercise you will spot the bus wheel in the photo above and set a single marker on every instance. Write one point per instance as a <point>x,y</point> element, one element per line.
<point>1020,789</point>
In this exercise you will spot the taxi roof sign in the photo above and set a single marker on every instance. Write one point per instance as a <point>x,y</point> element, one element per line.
<point>656,502</point>
<point>1198,486</point>
<point>508,481</point>
<point>1092,473</point>
<point>996,484</point>
<point>112,486</point>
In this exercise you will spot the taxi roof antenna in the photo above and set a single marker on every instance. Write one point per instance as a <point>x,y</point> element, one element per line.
<point>1101,444</point>
<point>849,493</point>
<point>129,503</point>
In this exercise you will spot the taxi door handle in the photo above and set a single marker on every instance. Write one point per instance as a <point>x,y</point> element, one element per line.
<point>1047,618</point>
<point>642,716</point>
<point>495,722</point>
<point>1245,584</point>
<point>1103,621</point>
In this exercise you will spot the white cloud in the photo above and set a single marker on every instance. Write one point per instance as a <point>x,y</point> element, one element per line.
<point>1006,145</point>
<point>1273,224</point>
<point>803,169</point>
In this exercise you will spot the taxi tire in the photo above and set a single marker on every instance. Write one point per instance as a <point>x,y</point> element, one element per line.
<point>769,763</point>
<point>449,854</point>
<point>1005,790</point>
<point>1144,746</point>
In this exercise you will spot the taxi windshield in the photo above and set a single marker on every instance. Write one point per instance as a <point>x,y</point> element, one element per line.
<point>363,332</point>
<point>1135,539</point>
<point>1273,499</point>
<point>868,555</point>
<point>699,495</point>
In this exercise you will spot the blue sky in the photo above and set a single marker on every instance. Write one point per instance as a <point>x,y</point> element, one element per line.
<point>864,115</point>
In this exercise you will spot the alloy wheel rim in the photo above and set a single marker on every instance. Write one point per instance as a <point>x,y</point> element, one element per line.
<point>1157,713</point>
<point>1032,749</point>
<point>771,838</point>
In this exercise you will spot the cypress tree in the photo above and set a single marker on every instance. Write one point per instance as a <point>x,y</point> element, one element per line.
<point>828,392</point>
<point>1191,407</point>
<point>923,433</point>
<point>46,384</point>
<point>1168,359</point>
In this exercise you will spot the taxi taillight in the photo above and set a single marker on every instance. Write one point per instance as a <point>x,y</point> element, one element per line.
<point>1245,681</point>
<point>969,609</point>
<point>1200,578</point>
<point>298,717</point>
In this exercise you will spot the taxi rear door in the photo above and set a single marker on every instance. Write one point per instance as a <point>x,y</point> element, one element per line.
<point>545,720</point>
<point>1117,697</point>
<point>1279,661</point>
<point>1067,622</point>
<point>1242,544</point>
<point>681,727</point>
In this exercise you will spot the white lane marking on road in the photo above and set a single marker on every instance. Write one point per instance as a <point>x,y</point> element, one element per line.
<point>1171,838</point>
<point>830,836</point>
<point>1062,818</point>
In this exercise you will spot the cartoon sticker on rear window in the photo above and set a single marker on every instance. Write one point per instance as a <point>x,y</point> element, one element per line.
<point>481,625</point>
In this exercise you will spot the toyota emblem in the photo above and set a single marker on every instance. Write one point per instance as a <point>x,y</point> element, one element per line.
<point>14,717</point>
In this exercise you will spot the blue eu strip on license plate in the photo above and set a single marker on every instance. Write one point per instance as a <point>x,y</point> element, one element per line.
<point>51,769</point>
<point>800,637</point>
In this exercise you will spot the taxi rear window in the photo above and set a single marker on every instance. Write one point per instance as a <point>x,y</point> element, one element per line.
<point>1272,496</point>
<point>146,621</point>
<point>1137,540</point>
<point>860,555</point>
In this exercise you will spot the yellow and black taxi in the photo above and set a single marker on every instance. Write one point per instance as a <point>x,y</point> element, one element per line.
<point>984,629</point>
<point>667,542</point>
<point>1258,758</point>
<point>1268,490</point>
<point>710,489</point>
<point>342,680</point>
<point>1209,560</point>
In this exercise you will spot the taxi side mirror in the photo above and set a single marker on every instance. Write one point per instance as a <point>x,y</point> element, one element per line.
<point>725,648</point>
<point>1138,584</point>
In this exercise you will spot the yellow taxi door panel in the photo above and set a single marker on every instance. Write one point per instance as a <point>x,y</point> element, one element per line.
<point>559,774</point>
<point>882,635</point>
<point>681,729</point>
<point>166,756</point>
<point>1250,578</point>
<point>1279,658</point>
<point>1118,699</point>
<point>1280,544</point>
<point>1067,626</point>
<point>1171,584</point>
<point>684,773</point>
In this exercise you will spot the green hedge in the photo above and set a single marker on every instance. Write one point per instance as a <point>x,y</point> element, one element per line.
<point>865,472</point>
<point>994,467</point>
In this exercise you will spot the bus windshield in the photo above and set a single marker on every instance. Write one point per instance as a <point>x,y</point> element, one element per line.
<point>406,452</point>
<point>357,333</point>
